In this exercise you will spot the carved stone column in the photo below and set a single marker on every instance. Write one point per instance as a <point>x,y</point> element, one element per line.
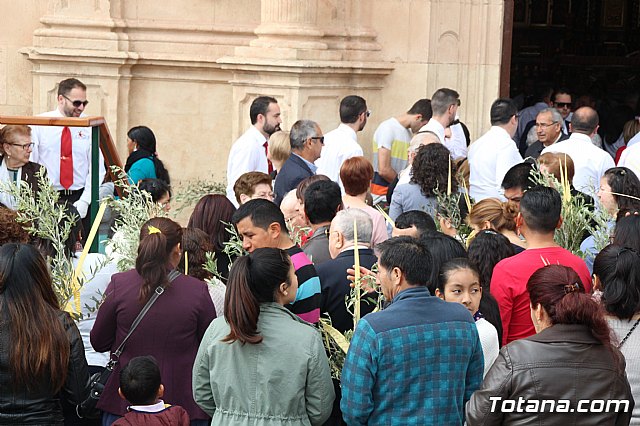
<point>289,24</point>
<point>308,54</point>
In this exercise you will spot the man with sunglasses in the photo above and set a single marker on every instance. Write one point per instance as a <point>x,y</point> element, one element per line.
<point>563,103</point>
<point>306,145</point>
<point>66,151</point>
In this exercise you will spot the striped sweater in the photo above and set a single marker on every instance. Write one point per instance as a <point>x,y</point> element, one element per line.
<point>308,297</point>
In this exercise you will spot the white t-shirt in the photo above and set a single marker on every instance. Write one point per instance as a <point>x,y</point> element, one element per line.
<point>489,342</point>
<point>630,157</point>
<point>490,158</point>
<point>247,155</point>
<point>434,126</point>
<point>91,295</point>
<point>590,162</point>
<point>339,145</point>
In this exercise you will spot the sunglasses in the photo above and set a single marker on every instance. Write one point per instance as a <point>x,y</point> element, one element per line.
<point>563,104</point>
<point>76,104</point>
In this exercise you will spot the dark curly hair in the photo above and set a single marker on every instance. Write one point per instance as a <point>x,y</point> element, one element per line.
<point>625,182</point>
<point>430,169</point>
<point>195,243</point>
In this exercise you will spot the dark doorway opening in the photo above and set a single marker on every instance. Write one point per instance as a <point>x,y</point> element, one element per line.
<point>591,47</point>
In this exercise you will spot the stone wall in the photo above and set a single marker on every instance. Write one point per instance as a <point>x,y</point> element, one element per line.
<point>189,69</point>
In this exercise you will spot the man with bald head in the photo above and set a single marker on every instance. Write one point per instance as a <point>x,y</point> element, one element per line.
<point>548,126</point>
<point>590,161</point>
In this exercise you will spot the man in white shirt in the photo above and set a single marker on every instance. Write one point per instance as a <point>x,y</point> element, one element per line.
<point>342,143</point>
<point>630,157</point>
<point>444,104</point>
<point>491,156</point>
<point>590,162</point>
<point>249,151</point>
<point>66,151</point>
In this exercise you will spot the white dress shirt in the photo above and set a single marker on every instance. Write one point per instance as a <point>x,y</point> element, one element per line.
<point>434,126</point>
<point>630,157</point>
<point>339,145</point>
<point>457,143</point>
<point>490,158</point>
<point>590,162</point>
<point>247,155</point>
<point>46,151</point>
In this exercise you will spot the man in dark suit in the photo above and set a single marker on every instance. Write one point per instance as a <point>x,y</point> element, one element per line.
<point>306,144</point>
<point>333,273</point>
<point>333,277</point>
<point>548,127</point>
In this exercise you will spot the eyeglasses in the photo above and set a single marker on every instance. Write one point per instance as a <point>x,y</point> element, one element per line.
<point>76,104</point>
<point>24,146</point>
<point>320,138</point>
<point>563,104</point>
<point>545,125</point>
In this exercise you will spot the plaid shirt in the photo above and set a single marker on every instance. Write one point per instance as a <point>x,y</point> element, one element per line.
<point>415,363</point>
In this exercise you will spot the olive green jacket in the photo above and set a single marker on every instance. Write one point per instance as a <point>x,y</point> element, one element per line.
<point>284,380</point>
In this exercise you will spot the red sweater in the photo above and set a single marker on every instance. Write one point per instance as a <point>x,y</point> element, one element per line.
<point>509,286</point>
<point>172,415</point>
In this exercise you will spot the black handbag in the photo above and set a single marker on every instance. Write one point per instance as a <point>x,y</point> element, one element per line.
<point>87,408</point>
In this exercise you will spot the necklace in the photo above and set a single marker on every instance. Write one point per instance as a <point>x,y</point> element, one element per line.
<point>629,333</point>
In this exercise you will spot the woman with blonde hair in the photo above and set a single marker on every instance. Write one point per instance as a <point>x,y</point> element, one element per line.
<point>279,150</point>
<point>492,213</point>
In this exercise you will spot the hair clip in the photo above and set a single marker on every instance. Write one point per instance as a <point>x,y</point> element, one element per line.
<point>570,288</point>
<point>153,230</point>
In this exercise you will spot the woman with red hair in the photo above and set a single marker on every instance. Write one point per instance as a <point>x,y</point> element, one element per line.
<point>356,174</point>
<point>568,373</point>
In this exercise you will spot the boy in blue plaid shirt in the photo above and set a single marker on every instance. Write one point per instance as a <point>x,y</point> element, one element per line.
<point>416,362</point>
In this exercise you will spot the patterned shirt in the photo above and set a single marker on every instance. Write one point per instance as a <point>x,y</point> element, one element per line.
<point>415,363</point>
<point>393,136</point>
<point>308,297</point>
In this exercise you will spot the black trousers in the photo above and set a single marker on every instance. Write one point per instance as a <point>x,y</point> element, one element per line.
<point>71,196</point>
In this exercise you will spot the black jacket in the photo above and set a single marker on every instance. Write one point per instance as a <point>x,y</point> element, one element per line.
<point>562,362</point>
<point>293,171</point>
<point>41,406</point>
<point>29,171</point>
<point>336,287</point>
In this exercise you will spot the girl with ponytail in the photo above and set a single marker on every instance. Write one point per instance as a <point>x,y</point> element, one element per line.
<point>571,358</point>
<point>171,330</point>
<point>261,361</point>
<point>616,272</point>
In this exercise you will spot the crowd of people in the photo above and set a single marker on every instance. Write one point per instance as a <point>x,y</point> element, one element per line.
<point>499,326</point>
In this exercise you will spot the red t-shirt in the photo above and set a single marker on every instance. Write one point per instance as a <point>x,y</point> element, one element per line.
<point>509,286</point>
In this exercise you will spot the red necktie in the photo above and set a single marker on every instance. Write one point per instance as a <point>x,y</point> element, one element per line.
<point>66,159</point>
<point>266,152</point>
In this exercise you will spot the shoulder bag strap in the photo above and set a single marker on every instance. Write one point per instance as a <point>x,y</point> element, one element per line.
<point>158,291</point>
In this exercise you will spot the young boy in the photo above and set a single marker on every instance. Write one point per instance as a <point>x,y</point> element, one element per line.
<point>141,386</point>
